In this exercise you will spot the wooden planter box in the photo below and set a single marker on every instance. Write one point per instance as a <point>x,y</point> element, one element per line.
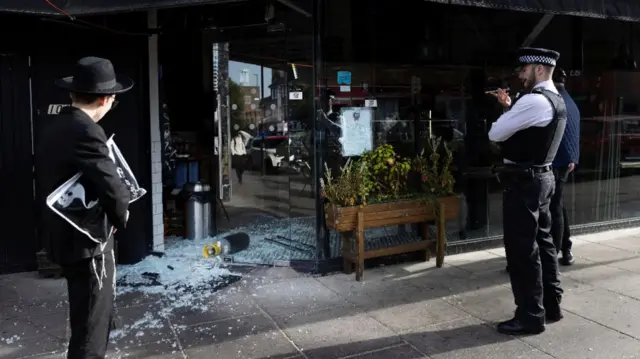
<point>352,221</point>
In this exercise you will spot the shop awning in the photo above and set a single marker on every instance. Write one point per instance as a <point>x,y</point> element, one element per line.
<point>95,7</point>
<point>628,10</point>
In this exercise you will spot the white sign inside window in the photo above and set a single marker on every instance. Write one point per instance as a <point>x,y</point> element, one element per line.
<point>295,95</point>
<point>370,102</point>
<point>357,130</point>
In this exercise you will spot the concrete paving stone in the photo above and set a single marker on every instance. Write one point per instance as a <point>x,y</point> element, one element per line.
<point>374,278</point>
<point>496,303</point>
<point>489,278</point>
<point>274,273</point>
<point>134,299</point>
<point>631,244</point>
<point>29,285</point>
<point>53,355</point>
<point>18,328</point>
<point>492,304</point>
<point>601,253</point>
<point>390,295</point>
<point>336,333</point>
<point>29,347</point>
<point>8,296</point>
<point>470,338</point>
<point>225,304</point>
<point>294,296</point>
<point>631,265</point>
<point>253,337</point>
<point>460,285</point>
<point>610,309</point>
<point>445,281</point>
<point>418,314</point>
<point>573,286</point>
<point>607,277</point>
<point>632,294</point>
<point>577,338</point>
<point>50,305</point>
<point>265,276</point>
<point>55,324</point>
<point>498,251</point>
<point>397,352</point>
<point>140,325</point>
<point>164,349</point>
<point>612,235</point>
<point>425,272</point>
<point>477,262</point>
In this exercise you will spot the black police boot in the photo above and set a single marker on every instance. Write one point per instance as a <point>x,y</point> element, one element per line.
<point>516,327</point>
<point>552,310</point>
<point>567,258</point>
<point>554,315</point>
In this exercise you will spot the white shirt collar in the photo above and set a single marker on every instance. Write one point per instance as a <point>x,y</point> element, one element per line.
<point>548,84</point>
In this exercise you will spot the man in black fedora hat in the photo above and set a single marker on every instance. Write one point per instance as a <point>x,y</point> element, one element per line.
<point>69,143</point>
<point>529,134</point>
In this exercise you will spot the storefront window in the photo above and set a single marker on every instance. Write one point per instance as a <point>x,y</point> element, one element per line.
<point>315,88</point>
<point>422,77</point>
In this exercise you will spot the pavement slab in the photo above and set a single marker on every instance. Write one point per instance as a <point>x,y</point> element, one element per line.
<point>404,311</point>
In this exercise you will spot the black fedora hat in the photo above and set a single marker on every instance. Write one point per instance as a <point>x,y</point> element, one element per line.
<point>95,75</point>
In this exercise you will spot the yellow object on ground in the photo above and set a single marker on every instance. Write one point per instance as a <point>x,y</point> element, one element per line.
<point>212,250</point>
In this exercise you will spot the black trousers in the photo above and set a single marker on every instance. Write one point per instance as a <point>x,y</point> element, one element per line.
<point>531,255</point>
<point>240,163</point>
<point>560,224</point>
<point>90,307</point>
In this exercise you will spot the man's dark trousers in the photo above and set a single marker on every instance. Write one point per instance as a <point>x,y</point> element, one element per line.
<point>560,225</point>
<point>90,308</point>
<point>531,255</point>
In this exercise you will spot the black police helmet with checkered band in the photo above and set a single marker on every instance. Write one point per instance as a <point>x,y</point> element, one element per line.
<point>537,56</point>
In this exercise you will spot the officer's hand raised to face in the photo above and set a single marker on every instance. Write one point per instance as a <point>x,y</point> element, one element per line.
<point>502,96</point>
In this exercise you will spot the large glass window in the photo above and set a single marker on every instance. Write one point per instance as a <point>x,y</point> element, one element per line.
<point>267,116</point>
<point>422,70</point>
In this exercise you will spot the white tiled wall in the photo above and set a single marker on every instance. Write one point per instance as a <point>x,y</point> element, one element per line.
<point>156,145</point>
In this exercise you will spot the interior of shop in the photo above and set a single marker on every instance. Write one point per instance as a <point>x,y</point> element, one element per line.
<point>249,138</point>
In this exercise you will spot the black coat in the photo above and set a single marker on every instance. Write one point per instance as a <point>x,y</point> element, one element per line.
<point>68,143</point>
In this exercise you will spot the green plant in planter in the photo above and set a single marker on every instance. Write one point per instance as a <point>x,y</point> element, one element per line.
<point>445,173</point>
<point>349,188</point>
<point>386,172</point>
<point>434,169</point>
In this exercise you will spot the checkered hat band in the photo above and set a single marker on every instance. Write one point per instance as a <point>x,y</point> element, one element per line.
<point>537,59</point>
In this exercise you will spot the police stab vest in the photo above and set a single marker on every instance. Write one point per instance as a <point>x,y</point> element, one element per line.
<point>536,146</point>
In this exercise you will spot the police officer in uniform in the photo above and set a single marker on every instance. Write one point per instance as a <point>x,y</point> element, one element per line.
<point>529,134</point>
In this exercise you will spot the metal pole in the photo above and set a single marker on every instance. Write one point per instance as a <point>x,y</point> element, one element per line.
<point>323,245</point>
<point>261,122</point>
